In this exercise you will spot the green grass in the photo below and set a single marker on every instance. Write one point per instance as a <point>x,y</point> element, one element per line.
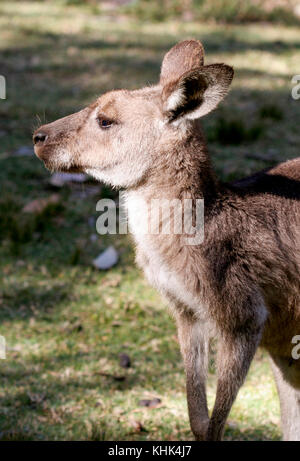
<point>65,323</point>
<point>222,11</point>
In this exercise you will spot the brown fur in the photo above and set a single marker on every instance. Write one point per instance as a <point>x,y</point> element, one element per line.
<point>242,283</point>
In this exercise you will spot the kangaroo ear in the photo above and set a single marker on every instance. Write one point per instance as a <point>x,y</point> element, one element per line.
<point>184,56</point>
<point>197,92</point>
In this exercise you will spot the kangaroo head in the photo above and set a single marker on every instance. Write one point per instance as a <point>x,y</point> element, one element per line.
<point>123,133</point>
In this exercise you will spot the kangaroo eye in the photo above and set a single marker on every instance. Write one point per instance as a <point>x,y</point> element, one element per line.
<point>104,123</point>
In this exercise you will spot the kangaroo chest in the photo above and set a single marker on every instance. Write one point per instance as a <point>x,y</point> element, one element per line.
<point>168,282</point>
<point>158,272</point>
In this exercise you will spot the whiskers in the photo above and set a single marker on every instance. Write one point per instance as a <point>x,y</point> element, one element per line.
<point>39,121</point>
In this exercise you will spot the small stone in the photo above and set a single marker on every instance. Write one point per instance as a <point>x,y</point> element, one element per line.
<point>60,179</point>
<point>106,259</point>
<point>150,403</point>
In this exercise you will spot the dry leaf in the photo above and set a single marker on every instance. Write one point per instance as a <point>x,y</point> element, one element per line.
<point>39,205</point>
<point>137,426</point>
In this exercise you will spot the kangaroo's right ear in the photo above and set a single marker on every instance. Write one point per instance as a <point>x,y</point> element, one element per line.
<point>196,93</point>
<point>190,89</point>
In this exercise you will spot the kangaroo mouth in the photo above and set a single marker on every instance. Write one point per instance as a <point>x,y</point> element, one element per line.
<point>64,169</point>
<point>72,169</point>
<point>57,161</point>
<point>52,165</point>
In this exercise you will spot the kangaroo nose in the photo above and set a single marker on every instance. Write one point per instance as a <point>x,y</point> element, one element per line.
<point>39,137</point>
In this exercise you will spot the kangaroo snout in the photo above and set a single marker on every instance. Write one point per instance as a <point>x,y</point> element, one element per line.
<point>57,143</point>
<point>49,146</point>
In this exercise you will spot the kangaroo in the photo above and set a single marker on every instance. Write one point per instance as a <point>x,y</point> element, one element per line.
<point>241,284</point>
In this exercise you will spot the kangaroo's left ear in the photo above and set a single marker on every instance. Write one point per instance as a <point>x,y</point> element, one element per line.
<point>197,92</point>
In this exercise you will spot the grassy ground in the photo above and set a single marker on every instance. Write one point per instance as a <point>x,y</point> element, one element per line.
<point>66,324</point>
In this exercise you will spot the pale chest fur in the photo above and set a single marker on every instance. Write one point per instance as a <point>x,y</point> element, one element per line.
<point>160,274</point>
